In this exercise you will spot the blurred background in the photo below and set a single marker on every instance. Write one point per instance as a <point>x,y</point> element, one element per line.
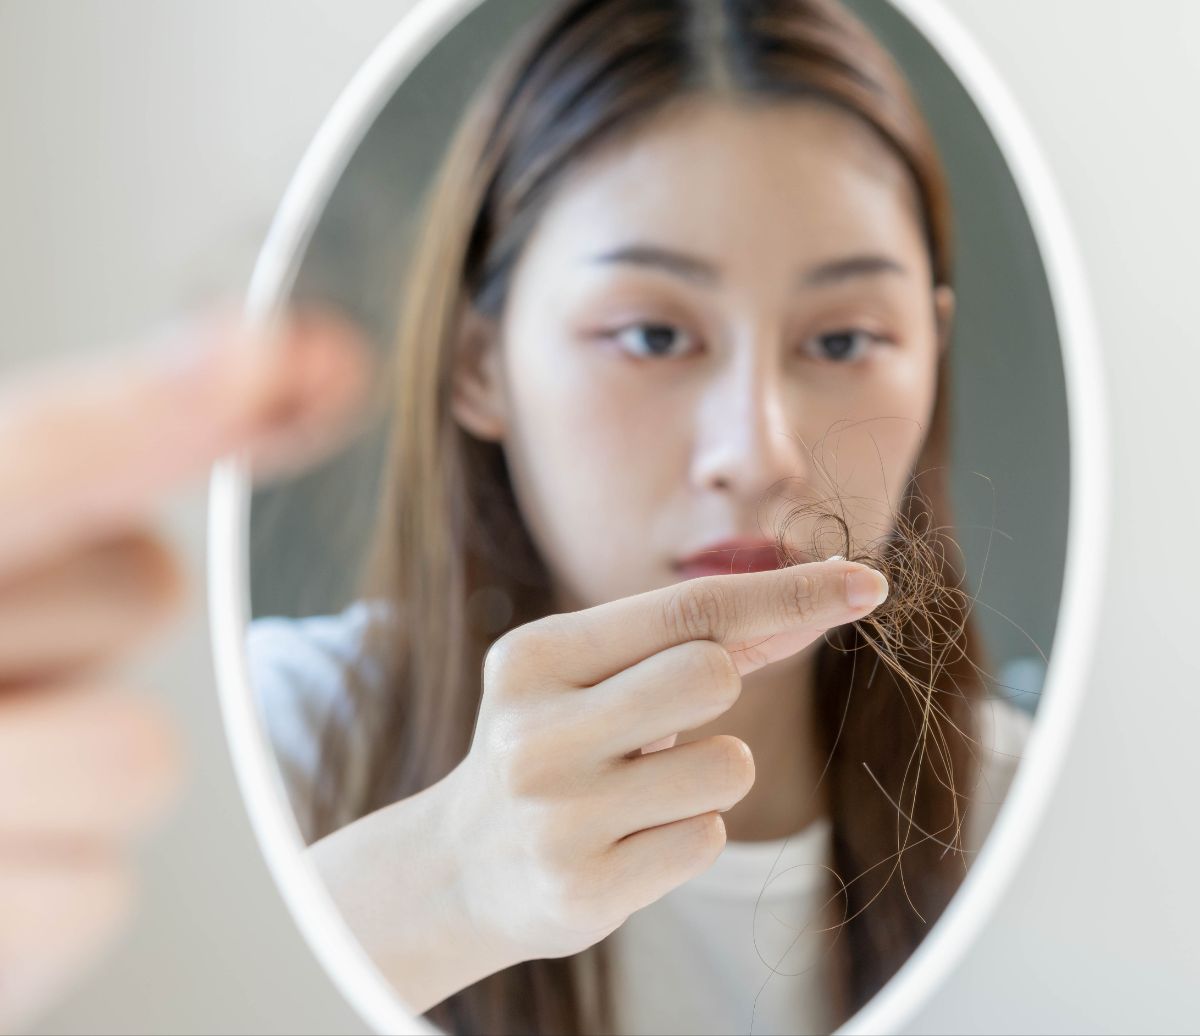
<point>145,148</point>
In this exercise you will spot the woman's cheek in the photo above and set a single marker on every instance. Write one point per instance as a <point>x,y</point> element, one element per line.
<point>608,434</point>
<point>907,395</point>
<point>571,435</point>
<point>865,436</point>
<point>597,491</point>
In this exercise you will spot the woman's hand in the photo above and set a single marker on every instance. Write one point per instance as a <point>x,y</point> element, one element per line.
<point>558,824</point>
<point>87,451</point>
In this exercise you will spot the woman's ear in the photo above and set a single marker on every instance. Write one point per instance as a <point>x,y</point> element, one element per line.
<point>477,398</point>
<point>943,308</point>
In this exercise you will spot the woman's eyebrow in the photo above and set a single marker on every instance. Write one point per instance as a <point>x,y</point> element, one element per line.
<point>837,270</point>
<point>701,271</point>
<point>689,267</point>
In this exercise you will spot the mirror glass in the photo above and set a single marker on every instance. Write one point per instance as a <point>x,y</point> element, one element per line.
<point>698,290</point>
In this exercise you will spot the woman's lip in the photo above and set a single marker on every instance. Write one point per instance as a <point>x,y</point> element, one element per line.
<point>727,558</point>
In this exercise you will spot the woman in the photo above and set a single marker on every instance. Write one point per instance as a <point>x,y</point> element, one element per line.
<point>685,269</point>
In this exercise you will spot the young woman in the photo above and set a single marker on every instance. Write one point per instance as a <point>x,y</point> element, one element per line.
<point>686,266</point>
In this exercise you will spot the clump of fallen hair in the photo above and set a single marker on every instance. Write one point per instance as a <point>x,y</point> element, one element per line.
<point>919,636</point>
<point>917,629</point>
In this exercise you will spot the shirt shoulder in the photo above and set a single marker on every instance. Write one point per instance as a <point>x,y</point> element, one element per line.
<point>298,670</point>
<point>1003,731</point>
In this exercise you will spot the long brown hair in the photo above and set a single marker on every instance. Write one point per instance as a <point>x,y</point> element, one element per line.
<point>451,545</point>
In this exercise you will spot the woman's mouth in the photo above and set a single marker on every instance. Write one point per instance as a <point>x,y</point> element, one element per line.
<point>727,557</point>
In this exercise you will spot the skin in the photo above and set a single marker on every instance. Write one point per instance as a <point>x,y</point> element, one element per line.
<point>611,756</point>
<point>87,763</point>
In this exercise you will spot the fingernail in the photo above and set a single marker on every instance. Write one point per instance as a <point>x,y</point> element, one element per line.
<point>865,588</point>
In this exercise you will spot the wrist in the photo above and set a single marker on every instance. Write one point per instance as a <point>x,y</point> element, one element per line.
<point>397,876</point>
<point>469,873</point>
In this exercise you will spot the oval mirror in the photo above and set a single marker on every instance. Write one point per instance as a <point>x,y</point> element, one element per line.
<point>662,292</point>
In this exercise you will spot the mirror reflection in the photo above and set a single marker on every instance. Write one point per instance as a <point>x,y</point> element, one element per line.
<point>705,326</point>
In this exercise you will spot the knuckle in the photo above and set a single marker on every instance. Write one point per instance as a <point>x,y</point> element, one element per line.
<point>719,676</point>
<point>156,571</point>
<point>694,611</point>
<point>496,661</point>
<point>140,574</point>
<point>515,654</point>
<point>571,898</point>
<point>526,772</point>
<point>506,657</point>
<point>802,602</point>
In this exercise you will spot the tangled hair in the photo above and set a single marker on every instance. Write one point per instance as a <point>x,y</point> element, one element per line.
<point>450,537</point>
<point>917,632</point>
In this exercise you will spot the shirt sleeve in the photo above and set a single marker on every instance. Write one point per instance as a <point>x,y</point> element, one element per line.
<point>298,672</point>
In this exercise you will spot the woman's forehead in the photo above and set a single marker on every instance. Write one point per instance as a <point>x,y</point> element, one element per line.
<point>791,178</point>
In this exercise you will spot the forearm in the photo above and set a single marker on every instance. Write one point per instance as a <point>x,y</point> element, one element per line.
<point>395,877</point>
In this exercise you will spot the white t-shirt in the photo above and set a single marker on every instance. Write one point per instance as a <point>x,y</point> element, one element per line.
<point>728,951</point>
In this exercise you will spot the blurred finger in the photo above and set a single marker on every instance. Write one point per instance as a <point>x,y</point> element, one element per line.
<point>327,403</point>
<point>81,763</point>
<point>56,914</point>
<point>60,902</point>
<point>87,607</point>
<point>88,448</point>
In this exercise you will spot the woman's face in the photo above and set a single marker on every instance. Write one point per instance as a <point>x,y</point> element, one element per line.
<point>711,319</point>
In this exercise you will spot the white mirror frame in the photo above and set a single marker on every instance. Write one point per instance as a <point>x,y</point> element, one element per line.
<point>229,503</point>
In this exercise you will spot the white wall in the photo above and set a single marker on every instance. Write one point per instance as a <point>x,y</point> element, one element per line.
<point>1102,931</point>
<point>144,147</point>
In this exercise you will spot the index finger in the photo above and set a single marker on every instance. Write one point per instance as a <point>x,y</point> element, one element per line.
<point>760,617</point>
<point>88,448</point>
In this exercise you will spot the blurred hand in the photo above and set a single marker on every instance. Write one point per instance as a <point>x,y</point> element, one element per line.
<point>88,451</point>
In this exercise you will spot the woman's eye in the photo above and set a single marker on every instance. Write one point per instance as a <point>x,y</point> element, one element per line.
<point>652,340</point>
<point>844,346</point>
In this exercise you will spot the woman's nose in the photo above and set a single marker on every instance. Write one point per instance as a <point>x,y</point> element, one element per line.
<point>747,439</point>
